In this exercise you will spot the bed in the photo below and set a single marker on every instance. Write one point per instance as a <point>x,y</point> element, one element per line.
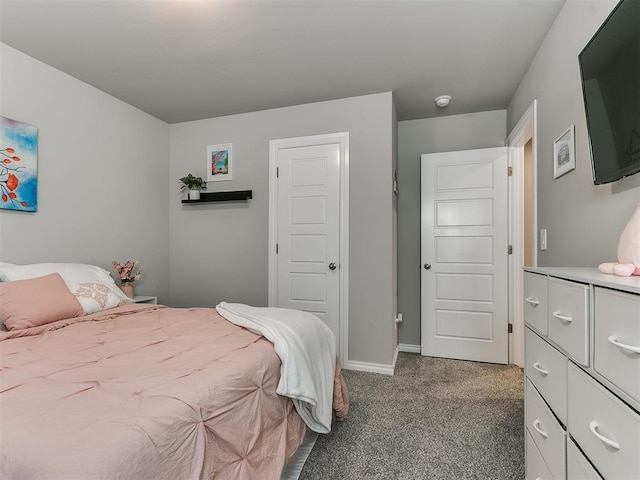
<point>141,391</point>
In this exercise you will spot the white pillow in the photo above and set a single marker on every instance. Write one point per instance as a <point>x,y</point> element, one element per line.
<point>5,264</point>
<point>93,286</point>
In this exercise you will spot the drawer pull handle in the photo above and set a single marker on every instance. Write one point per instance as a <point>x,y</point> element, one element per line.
<point>623,346</point>
<point>564,318</point>
<point>532,301</point>
<point>542,371</point>
<point>593,426</point>
<point>536,425</point>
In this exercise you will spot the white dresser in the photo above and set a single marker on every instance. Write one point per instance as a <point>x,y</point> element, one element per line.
<point>582,374</point>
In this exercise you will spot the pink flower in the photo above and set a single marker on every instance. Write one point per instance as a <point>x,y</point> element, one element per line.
<point>126,270</point>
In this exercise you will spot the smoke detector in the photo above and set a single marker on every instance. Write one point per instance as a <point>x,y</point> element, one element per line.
<point>443,100</point>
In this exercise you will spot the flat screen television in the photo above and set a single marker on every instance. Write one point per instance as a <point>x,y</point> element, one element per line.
<point>610,70</point>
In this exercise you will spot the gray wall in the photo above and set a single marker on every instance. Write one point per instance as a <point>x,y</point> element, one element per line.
<point>584,221</point>
<point>415,137</point>
<point>219,251</point>
<point>102,165</point>
<point>102,171</point>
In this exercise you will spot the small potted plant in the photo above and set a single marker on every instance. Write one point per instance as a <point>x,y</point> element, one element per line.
<point>194,185</point>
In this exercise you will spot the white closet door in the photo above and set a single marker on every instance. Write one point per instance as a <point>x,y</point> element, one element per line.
<point>309,231</point>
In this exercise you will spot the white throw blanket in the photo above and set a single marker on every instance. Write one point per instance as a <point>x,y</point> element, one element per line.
<point>307,350</point>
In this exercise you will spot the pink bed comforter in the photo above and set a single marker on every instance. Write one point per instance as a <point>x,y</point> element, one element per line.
<point>143,392</point>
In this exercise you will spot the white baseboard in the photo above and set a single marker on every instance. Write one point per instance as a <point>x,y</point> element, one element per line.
<point>370,367</point>
<point>405,347</point>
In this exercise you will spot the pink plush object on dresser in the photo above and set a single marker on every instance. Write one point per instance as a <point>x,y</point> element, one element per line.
<point>628,250</point>
<point>37,301</point>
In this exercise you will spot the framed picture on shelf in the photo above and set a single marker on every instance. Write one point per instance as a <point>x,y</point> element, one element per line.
<point>219,162</point>
<point>564,154</point>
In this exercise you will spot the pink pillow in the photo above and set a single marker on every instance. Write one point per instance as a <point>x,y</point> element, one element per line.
<point>33,302</point>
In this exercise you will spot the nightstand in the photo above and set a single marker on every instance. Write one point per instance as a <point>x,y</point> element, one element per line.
<point>145,299</point>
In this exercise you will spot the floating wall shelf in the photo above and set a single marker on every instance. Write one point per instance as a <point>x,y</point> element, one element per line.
<point>208,197</point>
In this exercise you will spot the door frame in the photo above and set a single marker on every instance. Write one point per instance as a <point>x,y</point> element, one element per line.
<point>341,138</point>
<point>525,130</point>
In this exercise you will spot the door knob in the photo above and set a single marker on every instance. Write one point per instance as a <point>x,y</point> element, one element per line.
<point>332,266</point>
<point>427,266</point>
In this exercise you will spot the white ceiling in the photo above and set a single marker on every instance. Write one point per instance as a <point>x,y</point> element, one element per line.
<point>183,60</point>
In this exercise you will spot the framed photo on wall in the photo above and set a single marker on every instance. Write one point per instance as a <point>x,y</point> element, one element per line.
<point>219,162</point>
<point>564,154</point>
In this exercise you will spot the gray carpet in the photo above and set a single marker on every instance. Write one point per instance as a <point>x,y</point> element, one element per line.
<point>435,419</point>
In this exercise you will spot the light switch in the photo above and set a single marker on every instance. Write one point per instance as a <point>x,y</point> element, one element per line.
<point>543,239</point>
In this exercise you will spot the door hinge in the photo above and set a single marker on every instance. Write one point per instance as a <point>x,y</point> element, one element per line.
<point>277,172</point>
<point>510,250</point>
<point>276,248</point>
<point>509,327</point>
<point>510,171</point>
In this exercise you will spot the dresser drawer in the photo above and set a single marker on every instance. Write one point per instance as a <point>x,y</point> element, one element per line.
<point>546,432</point>
<point>535,301</point>
<point>568,320</point>
<point>578,467</point>
<point>607,430</point>
<point>546,367</point>
<point>535,468</point>
<point>617,339</point>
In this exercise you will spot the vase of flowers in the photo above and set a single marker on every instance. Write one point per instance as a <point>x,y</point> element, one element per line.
<point>127,288</point>
<point>128,272</point>
<point>193,185</point>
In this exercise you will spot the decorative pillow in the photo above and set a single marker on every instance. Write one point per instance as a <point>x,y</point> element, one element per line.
<point>33,302</point>
<point>92,286</point>
<point>95,296</point>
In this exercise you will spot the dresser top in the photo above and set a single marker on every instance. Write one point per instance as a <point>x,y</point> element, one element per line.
<point>590,275</point>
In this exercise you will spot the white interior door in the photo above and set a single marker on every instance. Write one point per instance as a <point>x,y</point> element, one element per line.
<point>308,231</point>
<point>464,285</point>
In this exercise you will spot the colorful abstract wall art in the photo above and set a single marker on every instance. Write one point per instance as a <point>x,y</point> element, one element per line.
<point>18,165</point>
<point>219,162</point>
